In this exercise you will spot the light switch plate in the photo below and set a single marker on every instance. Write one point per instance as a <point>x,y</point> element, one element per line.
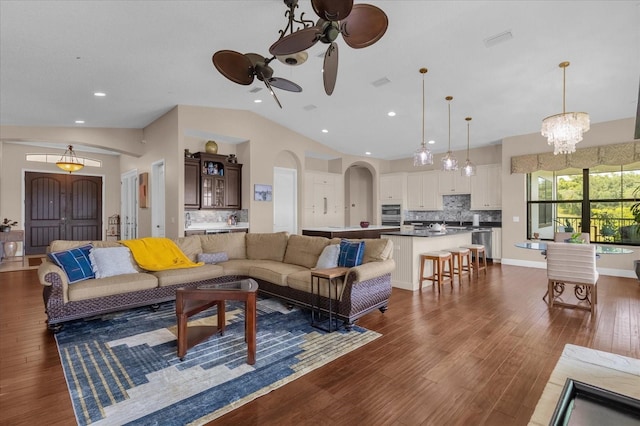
<point>516,218</point>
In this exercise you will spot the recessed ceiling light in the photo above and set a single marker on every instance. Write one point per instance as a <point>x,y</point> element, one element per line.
<point>325,131</point>
<point>367,153</point>
<point>257,101</point>
<point>431,142</point>
<point>79,121</point>
<point>391,113</point>
<point>99,94</point>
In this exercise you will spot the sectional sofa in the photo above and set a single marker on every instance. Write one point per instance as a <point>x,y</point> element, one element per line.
<point>279,262</point>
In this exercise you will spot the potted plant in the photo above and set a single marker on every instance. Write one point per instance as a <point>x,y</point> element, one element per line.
<point>565,227</point>
<point>6,225</point>
<point>607,226</point>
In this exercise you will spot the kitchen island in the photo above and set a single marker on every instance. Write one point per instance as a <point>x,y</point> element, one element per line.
<point>409,245</point>
<point>372,231</point>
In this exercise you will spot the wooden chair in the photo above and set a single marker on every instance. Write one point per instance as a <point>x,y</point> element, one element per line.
<point>439,262</point>
<point>572,264</point>
<point>479,258</point>
<point>461,262</point>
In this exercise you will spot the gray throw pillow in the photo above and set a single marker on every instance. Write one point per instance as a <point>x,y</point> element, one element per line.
<point>329,257</point>
<point>213,258</point>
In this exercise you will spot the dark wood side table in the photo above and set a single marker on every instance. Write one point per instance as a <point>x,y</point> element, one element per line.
<point>192,301</point>
<point>330,275</point>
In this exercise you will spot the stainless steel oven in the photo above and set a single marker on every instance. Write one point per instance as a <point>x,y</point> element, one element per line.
<point>391,214</point>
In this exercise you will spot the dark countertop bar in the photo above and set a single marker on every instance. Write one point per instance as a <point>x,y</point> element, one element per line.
<point>453,223</point>
<point>428,233</point>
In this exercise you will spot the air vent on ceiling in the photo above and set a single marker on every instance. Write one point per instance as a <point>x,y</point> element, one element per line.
<point>381,82</point>
<point>498,38</point>
<point>255,90</point>
<point>309,107</point>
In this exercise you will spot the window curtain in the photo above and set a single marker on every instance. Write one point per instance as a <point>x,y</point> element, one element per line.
<point>584,158</point>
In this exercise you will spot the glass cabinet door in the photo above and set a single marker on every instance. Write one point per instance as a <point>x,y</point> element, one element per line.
<point>219,192</point>
<point>207,192</point>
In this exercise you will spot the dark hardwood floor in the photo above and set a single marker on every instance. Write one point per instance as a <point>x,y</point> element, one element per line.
<point>478,354</point>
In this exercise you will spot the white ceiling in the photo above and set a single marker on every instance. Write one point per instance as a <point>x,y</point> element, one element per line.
<point>149,56</point>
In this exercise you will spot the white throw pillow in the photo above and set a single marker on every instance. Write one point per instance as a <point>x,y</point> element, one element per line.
<point>110,261</point>
<point>329,257</point>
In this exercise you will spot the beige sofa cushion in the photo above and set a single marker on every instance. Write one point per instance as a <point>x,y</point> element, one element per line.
<point>304,250</point>
<point>272,271</point>
<point>109,286</point>
<point>190,246</point>
<point>236,266</point>
<point>188,275</point>
<point>269,246</point>
<point>232,243</point>
<point>59,245</point>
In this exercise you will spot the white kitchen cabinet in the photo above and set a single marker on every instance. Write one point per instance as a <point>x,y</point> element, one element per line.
<point>323,199</point>
<point>422,191</point>
<point>393,188</point>
<point>452,183</point>
<point>496,243</point>
<point>486,188</point>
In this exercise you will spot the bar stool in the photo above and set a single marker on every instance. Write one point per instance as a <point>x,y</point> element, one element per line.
<point>438,261</point>
<point>478,251</point>
<point>459,255</point>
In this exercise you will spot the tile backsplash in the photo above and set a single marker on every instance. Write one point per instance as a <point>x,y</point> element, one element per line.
<point>455,208</point>
<point>195,217</point>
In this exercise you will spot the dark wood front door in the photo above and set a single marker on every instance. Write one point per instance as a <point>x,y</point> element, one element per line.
<point>61,207</point>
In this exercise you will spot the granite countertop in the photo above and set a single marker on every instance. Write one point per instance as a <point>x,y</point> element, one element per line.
<point>429,233</point>
<point>349,228</point>
<point>216,225</point>
<point>453,223</point>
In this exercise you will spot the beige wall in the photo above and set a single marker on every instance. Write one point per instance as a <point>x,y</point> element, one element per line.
<point>514,195</point>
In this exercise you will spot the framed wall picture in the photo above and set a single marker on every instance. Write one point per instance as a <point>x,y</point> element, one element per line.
<point>143,190</point>
<point>262,192</point>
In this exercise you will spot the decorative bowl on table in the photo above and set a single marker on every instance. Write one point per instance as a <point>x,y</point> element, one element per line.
<point>364,224</point>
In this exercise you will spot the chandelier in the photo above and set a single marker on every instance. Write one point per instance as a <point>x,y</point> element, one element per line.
<point>449,162</point>
<point>69,161</point>
<point>565,130</point>
<point>469,168</point>
<point>422,156</point>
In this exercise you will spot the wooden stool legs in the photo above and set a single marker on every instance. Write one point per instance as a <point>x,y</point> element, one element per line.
<point>439,261</point>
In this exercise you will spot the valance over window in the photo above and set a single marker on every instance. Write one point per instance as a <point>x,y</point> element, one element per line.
<point>584,158</point>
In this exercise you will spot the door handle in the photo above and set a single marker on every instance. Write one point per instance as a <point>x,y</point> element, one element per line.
<point>325,205</point>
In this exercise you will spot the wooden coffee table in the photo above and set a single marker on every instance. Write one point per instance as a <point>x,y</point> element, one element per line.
<point>192,301</point>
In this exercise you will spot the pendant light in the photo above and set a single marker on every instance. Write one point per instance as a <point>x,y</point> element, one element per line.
<point>565,130</point>
<point>469,168</point>
<point>422,156</point>
<point>69,161</point>
<point>449,162</point>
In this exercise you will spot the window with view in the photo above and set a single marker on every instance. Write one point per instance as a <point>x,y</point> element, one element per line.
<point>596,201</point>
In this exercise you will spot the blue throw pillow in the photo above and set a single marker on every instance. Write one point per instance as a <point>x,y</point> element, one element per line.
<point>351,253</point>
<point>75,263</point>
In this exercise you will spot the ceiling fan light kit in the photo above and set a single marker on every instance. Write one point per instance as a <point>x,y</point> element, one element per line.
<point>423,155</point>
<point>565,130</point>
<point>449,161</point>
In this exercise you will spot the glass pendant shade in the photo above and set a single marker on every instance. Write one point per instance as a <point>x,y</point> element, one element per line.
<point>449,162</point>
<point>422,156</point>
<point>564,131</point>
<point>69,161</point>
<point>469,168</point>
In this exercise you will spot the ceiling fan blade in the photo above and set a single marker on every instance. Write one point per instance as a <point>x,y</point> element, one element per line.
<point>364,26</point>
<point>330,68</point>
<point>296,42</point>
<point>234,65</point>
<point>332,10</point>
<point>266,82</point>
<point>284,84</point>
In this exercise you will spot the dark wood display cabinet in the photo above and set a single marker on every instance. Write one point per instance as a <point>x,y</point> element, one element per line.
<point>212,183</point>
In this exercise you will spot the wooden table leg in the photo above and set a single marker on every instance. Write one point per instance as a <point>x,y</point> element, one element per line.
<point>250,330</point>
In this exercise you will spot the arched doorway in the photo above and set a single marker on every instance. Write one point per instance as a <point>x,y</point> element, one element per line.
<point>359,196</point>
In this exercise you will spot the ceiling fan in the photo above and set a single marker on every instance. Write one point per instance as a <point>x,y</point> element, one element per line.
<point>361,25</point>
<point>243,68</point>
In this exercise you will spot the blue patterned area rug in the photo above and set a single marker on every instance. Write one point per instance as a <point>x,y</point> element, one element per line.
<point>122,368</point>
